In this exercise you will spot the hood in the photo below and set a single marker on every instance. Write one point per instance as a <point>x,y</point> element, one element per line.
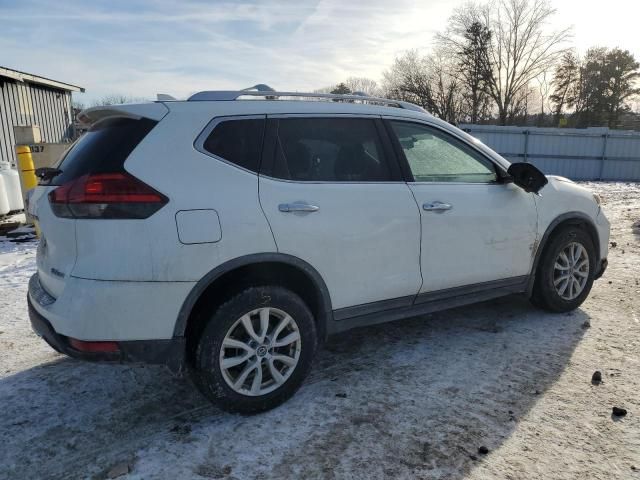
<point>566,184</point>
<point>558,178</point>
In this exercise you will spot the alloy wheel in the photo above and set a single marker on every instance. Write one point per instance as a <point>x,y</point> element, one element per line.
<point>571,271</point>
<point>260,351</point>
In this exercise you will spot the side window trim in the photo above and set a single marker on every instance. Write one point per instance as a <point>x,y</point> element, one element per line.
<point>198,143</point>
<point>404,163</point>
<point>407,174</point>
<point>389,152</point>
<point>267,164</point>
<point>269,148</point>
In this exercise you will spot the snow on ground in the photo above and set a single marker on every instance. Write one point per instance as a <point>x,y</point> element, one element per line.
<point>421,395</point>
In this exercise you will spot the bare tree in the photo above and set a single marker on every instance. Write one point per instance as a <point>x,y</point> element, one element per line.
<point>544,90</point>
<point>408,80</point>
<point>364,85</point>
<point>524,103</point>
<point>447,92</point>
<point>521,49</point>
<point>116,99</point>
<point>354,84</point>
<point>427,81</point>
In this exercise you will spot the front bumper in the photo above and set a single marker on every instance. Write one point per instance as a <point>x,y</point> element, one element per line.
<point>604,230</point>
<point>168,352</point>
<point>601,268</point>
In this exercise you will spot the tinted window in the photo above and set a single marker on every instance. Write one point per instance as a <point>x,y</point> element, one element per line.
<point>237,141</point>
<point>436,157</point>
<point>103,148</point>
<point>329,149</point>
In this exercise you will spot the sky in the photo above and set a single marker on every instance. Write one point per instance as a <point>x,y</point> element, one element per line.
<point>139,48</point>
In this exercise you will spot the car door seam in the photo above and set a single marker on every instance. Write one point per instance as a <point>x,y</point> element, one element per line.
<point>266,218</point>
<point>419,242</point>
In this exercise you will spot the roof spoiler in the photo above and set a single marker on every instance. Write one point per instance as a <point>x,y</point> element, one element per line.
<point>152,111</point>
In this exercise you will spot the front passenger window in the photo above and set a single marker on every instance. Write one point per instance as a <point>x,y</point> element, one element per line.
<point>436,157</point>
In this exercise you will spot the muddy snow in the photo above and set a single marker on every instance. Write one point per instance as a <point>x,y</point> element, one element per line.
<point>414,399</point>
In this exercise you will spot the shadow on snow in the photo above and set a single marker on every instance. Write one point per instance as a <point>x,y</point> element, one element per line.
<point>421,396</point>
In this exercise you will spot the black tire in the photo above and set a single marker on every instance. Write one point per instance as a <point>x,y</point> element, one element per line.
<point>544,292</point>
<point>207,373</point>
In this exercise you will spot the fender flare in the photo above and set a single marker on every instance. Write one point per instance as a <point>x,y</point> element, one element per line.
<point>220,270</point>
<point>578,217</point>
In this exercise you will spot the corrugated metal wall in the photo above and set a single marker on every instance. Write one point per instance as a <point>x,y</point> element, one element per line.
<point>579,154</point>
<point>23,104</point>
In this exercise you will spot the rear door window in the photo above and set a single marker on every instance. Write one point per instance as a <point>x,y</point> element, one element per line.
<point>102,149</point>
<point>329,150</point>
<point>238,141</point>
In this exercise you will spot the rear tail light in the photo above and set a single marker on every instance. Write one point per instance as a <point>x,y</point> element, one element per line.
<point>106,196</point>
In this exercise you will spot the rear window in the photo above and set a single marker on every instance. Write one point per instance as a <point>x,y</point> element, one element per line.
<point>103,148</point>
<point>238,141</point>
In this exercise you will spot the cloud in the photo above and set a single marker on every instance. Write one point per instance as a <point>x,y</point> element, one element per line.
<point>141,47</point>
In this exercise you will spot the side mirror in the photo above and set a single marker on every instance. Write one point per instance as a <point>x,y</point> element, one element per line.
<point>527,177</point>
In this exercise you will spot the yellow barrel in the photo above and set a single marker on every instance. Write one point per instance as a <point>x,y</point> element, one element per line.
<point>28,177</point>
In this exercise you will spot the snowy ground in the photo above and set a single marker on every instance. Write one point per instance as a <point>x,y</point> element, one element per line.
<point>421,395</point>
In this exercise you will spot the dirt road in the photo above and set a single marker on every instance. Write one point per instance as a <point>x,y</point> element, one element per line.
<point>414,399</point>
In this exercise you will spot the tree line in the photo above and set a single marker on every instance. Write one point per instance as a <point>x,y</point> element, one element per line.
<point>499,62</point>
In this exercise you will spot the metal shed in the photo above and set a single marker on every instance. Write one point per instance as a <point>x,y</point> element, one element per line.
<point>27,99</point>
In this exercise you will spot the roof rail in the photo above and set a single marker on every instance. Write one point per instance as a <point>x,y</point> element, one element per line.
<point>230,95</point>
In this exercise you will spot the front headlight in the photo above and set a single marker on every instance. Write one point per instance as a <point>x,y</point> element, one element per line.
<point>597,198</point>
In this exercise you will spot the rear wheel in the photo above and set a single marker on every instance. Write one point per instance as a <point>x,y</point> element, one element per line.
<point>256,350</point>
<point>566,271</point>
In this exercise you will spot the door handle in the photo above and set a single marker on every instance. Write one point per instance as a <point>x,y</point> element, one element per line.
<point>437,207</point>
<point>297,207</point>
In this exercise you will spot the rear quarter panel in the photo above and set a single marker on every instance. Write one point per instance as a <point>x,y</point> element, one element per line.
<point>150,250</point>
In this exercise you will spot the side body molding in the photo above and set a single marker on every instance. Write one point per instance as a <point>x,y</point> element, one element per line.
<point>577,217</point>
<point>326,310</point>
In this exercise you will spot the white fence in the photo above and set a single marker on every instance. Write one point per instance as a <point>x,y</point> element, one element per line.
<point>579,154</point>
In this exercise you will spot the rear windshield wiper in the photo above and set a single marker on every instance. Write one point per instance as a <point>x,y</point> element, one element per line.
<point>47,173</point>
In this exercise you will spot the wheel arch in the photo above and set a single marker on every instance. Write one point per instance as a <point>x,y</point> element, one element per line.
<point>281,269</point>
<point>579,219</point>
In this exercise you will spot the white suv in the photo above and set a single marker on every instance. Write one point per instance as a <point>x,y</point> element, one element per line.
<point>230,234</point>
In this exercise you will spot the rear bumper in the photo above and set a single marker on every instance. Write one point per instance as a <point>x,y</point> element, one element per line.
<point>160,352</point>
<point>168,352</point>
<point>102,310</point>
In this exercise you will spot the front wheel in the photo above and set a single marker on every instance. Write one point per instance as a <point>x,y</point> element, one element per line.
<point>256,350</point>
<point>566,271</point>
